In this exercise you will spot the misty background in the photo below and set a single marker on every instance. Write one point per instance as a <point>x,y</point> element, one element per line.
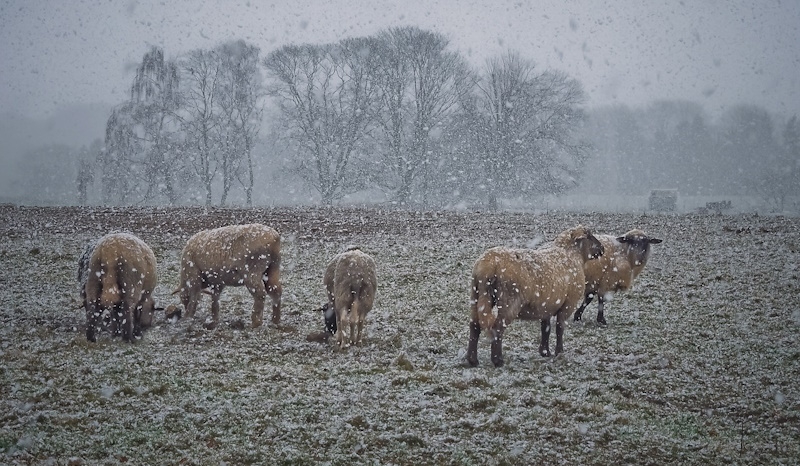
<point>422,104</point>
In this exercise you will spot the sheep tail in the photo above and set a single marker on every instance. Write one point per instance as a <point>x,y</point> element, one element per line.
<point>111,294</point>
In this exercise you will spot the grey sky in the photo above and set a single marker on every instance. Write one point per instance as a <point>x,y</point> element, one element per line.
<point>715,52</point>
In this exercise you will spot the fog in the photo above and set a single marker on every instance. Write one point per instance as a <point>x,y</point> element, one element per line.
<point>696,98</point>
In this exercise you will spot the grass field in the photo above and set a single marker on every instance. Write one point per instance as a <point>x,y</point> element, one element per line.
<point>700,362</point>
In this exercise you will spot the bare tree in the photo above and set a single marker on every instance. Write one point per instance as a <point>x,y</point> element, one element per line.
<point>327,96</point>
<point>119,159</point>
<point>421,84</point>
<point>240,100</point>
<point>199,119</point>
<point>155,99</point>
<point>524,123</point>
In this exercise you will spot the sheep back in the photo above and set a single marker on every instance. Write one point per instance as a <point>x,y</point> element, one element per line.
<point>527,284</point>
<point>228,255</point>
<point>351,282</point>
<point>351,273</point>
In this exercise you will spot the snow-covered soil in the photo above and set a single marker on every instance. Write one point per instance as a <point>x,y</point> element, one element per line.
<point>700,362</point>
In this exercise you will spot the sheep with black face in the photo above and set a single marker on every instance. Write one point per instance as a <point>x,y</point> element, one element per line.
<point>624,259</point>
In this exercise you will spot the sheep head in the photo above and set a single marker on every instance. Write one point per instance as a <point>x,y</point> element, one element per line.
<point>330,318</point>
<point>639,244</point>
<point>583,239</point>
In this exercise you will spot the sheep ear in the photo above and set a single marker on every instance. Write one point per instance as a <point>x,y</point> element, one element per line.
<point>622,239</point>
<point>654,240</point>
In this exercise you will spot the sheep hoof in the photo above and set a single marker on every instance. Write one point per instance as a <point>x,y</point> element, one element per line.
<point>210,325</point>
<point>472,362</point>
<point>602,321</point>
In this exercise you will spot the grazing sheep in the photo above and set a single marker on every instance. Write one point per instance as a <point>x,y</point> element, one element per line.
<point>351,283</point>
<point>625,257</point>
<point>529,284</point>
<point>118,274</point>
<point>234,255</point>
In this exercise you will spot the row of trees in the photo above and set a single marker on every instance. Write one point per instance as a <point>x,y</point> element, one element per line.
<point>398,113</point>
<point>399,116</point>
<point>187,122</point>
<point>675,144</point>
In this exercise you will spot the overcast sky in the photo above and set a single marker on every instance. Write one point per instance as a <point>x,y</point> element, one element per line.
<point>714,52</point>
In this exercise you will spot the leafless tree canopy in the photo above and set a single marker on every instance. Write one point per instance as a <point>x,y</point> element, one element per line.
<point>400,116</point>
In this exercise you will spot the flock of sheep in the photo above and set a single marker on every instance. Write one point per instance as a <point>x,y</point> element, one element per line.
<point>117,276</point>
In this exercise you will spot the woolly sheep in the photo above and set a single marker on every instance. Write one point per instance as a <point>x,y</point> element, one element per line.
<point>625,257</point>
<point>529,284</point>
<point>234,255</point>
<point>117,274</point>
<point>350,282</point>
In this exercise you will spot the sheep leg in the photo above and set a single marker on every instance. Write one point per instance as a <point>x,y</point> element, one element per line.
<point>127,319</point>
<point>191,304</point>
<point>215,292</point>
<point>560,332</point>
<point>274,290</point>
<point>340,328</point>
<point>472,346</point>
<point>360,339</point>
<point>259,292</point>
<point>92,317</point>
<point>146,311</point>
<point>586,301</point>
<point>544,345</point>
<point>355,323</point>
<point>497,342</point>
<point>601,319</point>
<point>116,316</point>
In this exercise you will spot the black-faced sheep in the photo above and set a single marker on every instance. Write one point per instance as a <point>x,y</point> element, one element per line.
<point>117,275</point>
<point>625,257</point>
<point>234,255</point>
<point>351,283</point>
<point>529,284</point>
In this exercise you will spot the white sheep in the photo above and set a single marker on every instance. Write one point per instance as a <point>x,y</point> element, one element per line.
<point>529,284</point>
<point>625,257</point>
<point>234,255</point>
<point>350,281</point>
<point>117,274</point>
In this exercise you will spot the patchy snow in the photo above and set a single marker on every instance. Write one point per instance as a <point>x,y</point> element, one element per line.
<point>699,363</point>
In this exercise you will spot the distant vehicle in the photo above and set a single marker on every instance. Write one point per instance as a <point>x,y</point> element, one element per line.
<point>663,200</point>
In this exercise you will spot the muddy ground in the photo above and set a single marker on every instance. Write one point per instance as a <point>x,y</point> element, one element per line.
<point>699,363</point>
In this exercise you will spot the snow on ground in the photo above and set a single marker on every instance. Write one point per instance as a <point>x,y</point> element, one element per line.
<point>699,364</point>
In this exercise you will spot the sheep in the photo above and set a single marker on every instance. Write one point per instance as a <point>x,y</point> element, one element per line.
<point>616,270</point>
<point>528,284</point>
<point>351,283</point>
<point>117,274</point>
<point>233,255</point>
